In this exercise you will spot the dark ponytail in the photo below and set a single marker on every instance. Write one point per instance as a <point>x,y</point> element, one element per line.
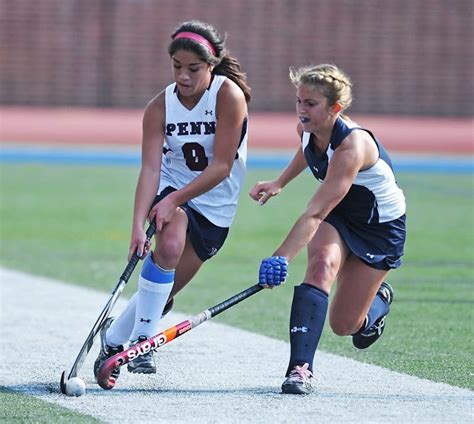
<point>230,67</point>
<point>223,63</point>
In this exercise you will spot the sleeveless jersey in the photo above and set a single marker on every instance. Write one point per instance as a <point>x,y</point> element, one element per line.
<point>374,196</point>
<point>188,150</point>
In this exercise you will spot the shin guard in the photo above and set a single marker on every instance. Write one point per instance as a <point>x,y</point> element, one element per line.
<point>154,288</point>
<point>308,314</point>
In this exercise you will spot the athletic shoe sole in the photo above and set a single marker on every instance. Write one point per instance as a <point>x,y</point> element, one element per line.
<point>295,389</point>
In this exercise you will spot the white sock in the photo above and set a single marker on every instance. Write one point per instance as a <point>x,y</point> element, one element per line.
<point>122,326</point>
<point>154,288</point>
<point>151,300</point>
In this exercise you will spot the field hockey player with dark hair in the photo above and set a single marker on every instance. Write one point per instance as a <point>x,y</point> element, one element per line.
<point>194,152</point>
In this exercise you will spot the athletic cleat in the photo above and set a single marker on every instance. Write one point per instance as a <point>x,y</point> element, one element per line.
<point>299,381</point>
<point>144,364</point>
<point>168,307</point>
<point>369,336</point>
<point>106,351</point>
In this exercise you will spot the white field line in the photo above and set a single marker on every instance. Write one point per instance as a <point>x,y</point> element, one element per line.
<point>213,374</point>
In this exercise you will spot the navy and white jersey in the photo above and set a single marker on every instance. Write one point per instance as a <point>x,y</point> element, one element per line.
<point>374,196</point>
<point>188,150</point>
<point>371,216</point>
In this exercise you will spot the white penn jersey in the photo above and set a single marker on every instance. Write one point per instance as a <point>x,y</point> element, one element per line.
<point>374,196</point>
<point>189,149</point>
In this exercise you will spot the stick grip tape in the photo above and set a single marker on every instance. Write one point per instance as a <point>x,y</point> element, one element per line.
<point>135,258</point>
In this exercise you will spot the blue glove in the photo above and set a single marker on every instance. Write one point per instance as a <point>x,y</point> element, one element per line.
<point>273,271</point>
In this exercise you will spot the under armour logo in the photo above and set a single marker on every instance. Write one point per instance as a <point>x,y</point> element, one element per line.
<point>299,329</point>
<point>379,326</point>
<point>213,251</point>
<point>369,255</point>
<point>145,320</point>
<point>316,169</point>
<point>208,112</point>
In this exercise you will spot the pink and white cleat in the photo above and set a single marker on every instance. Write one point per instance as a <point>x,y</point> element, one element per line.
<point>299,381</point>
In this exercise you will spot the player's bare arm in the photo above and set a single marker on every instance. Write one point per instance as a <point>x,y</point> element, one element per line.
<point>149,177</point>
<point>347,161</point>
<point>262,191</point>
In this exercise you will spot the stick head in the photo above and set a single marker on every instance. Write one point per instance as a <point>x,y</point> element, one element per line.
<point>104,375</point>
<point>62,384</point>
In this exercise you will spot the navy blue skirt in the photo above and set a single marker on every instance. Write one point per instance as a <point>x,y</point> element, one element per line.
<point>379,245</point>
<point>206,238</point>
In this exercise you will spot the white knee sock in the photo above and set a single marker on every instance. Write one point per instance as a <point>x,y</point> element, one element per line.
<point>154,288</point>
<point>122,326</point>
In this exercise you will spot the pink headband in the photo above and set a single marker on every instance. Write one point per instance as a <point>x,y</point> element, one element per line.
<point>196,37</point>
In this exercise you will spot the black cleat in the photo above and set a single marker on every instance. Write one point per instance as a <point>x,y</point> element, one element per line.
<point>299,382</point>
<point>364,339</point>
<point>144,364</point>
<point>106,351</point>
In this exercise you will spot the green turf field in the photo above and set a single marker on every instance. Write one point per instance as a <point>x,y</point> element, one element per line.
<point>72,223</point>
<point>20,408</point>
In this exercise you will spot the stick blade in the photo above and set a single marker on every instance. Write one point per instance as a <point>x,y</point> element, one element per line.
<point>104,376</point>
<point>62,384</point>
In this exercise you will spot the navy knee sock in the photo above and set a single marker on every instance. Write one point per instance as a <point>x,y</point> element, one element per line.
<point>378,309</point>
<point>308,313</point>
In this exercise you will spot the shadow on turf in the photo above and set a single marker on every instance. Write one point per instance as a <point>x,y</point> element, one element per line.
<point>37,389</point>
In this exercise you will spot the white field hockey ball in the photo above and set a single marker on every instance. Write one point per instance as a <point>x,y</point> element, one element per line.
<point>75,387</point>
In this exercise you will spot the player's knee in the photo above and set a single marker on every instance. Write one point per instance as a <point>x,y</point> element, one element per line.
<point>169,250</point>
<point>321,269</point>
<point>342,326</point>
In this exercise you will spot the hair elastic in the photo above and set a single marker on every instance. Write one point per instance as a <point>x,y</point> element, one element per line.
<point>196,37</point>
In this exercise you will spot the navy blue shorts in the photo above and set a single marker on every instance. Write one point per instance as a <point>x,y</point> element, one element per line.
<point>379,245</point>
<point>206,238</point>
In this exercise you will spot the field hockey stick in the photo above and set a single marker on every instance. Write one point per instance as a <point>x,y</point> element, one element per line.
<point>86,347</point>
<point>104,376</point>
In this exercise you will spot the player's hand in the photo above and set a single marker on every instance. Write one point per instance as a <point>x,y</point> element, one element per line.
<point>139,244</point>
<point>273,271</point>
<point>264,190</point>
<point>163,212</point>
